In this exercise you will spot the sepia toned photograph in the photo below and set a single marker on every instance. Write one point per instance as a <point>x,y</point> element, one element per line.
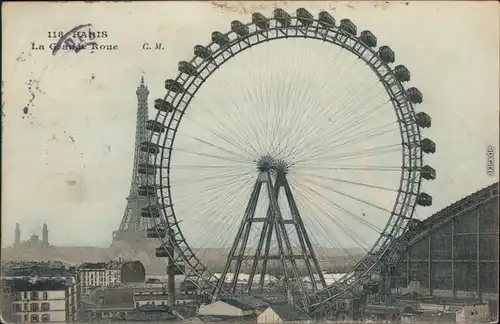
<point>250,162</point>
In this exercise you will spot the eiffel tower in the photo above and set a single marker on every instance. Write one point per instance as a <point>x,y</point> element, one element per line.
<point>133,226</point>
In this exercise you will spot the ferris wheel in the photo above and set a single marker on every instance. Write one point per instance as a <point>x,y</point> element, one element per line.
<point>285,147</point>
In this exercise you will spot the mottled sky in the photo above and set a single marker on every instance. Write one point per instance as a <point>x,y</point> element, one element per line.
<point>68,161</point>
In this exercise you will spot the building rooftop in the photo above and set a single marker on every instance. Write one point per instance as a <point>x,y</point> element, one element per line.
<point>124,307</point>
<point>478,197</point>
<point>137,289</point>
<point>149,316</point>
<point>226,319</point>
<point>21,285</point>
<point>111,265</point>
<point>253,302</point>
<point>186,297</point>
<point>154,308</point>
<point>35,271</point>
<point>17,263</point>
<point>151,297</point>
<point>289,313</point>
<point>237,303</point>
<point>154,297</point>
<point>93,266</point>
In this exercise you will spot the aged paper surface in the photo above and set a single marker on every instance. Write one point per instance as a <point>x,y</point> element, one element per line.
<point>343,162</point>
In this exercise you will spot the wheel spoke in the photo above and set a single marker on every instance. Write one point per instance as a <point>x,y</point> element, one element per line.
<point>284,154</point>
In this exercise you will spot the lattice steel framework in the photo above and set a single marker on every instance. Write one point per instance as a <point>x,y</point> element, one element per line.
<point>454,253</point>
<point>132,222</point>
<point>273,223</point>
<point>209,58</point>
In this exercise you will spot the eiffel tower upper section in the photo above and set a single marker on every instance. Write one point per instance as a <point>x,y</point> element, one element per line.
<point>132,224</point>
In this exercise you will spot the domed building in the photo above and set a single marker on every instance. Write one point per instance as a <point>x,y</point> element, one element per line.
<point>32,249</point>
<point>34,240</point>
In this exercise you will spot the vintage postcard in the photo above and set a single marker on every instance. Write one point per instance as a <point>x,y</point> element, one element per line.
<point>261,162</point>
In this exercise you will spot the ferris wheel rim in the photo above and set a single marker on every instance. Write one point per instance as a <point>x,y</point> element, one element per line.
<point>411,155</point>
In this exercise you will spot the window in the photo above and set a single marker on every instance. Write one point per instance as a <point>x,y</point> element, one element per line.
<point>137,305</point>
<point>342,305</point>
<point>34,295</point>
<point>45,295</point>
<point>25,295</point>
<point>25,317</point>
<point>34,318</point>
<point>17,308</point>
<point>34,307</point>
<point>18,296</point>
<point>45,318</point>
<point>25,307</point>
<point>45,306</point>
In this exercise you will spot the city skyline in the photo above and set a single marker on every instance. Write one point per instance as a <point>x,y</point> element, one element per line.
<point>86,189</point>
<point>250,162</point>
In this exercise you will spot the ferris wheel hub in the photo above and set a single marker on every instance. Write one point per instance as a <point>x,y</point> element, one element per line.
<point>270,163</point>
<point>265,163</point>
<point>281,166</point>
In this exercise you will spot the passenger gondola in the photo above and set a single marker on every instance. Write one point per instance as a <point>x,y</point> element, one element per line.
<point>386,54</point>
<point>282,17</point>
<point>348,26</point>
<point>163,105</point>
